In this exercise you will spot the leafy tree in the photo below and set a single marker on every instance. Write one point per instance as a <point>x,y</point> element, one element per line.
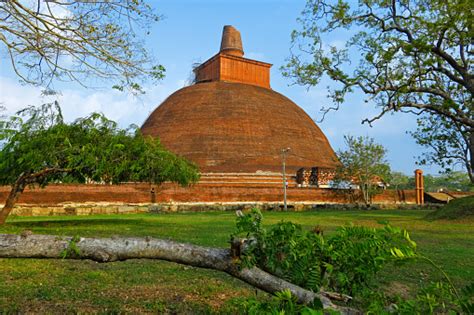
<point>38,147</point>
<point>407,56</point>
<point>452,181</point>
<point>74,40</point>
<point>399,180</point>
<point>448,142</point>
<point>364,164</point>
<point>459,181</point>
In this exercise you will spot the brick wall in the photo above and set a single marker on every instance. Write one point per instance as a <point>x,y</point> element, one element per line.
<point>141,193</point>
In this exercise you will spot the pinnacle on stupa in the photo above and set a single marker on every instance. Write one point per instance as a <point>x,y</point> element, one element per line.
<point>231,43</point>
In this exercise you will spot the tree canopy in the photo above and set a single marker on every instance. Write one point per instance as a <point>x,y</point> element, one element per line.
<point>38,147</point>
<point>405,55</point>
<point>452,181</point>
<point>363,163</point>
<point>448,144</point>
<point>75,40</point>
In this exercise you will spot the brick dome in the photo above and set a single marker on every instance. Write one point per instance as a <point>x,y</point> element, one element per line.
<point>233,127</point>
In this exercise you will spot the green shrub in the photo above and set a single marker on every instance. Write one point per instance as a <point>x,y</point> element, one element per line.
<point>282,303</point>
<point>344,262</point>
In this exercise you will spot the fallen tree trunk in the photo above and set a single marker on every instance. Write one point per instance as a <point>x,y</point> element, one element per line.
<point>123,248</point>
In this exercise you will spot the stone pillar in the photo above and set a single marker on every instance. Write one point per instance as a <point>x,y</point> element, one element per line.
<point>419,187</point>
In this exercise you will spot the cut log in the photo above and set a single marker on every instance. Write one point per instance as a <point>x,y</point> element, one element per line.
<point>123,248</point>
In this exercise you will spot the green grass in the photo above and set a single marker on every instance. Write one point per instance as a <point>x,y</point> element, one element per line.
<point>457,208</point>
<point>146,286</point>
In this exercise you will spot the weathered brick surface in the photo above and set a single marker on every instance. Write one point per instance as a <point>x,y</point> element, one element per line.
<point>140,193</point>
<point>232,122</point>
<point>233,127</point>
<point>223,67</point>
<point>54,194</point>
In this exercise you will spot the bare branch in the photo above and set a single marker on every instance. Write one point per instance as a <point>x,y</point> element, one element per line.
<point>98,37</point>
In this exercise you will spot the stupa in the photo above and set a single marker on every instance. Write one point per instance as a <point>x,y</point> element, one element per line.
<point>230,121</point>
<point>234,127</point>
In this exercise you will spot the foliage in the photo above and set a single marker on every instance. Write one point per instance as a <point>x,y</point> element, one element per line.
<point>414,55</point>
<point>74,40</point>
<point>433,298</point>
<point>282,303</point>
<point>38,147</point>
<point>364,164</point>
<point>71,250</point>
<point>436,298</point>
<point>452,181</point>
<point>344,262</point>
<point>399,180</point>
<point>456,209</point>
<point>89,149</point>
<point>404,55</point>
<point>448,143</point>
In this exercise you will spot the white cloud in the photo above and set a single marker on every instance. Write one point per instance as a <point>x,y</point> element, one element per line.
<point>75,103</point>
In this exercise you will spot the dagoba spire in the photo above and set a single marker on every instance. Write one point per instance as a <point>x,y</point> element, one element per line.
<point>229,64</point>
<point>231,43</point>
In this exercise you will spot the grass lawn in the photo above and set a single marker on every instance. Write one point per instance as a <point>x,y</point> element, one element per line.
<point>67,286</point>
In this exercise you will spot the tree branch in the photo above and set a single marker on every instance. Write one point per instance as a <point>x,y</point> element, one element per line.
<point>123,248</point>
<point>20,184</point>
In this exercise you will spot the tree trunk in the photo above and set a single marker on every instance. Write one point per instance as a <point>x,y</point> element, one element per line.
<point>17,188</point>
<point>470,168</point>
<point>121,248</point>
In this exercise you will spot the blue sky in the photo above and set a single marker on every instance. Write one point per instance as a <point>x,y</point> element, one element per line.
<point>190,32</point>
